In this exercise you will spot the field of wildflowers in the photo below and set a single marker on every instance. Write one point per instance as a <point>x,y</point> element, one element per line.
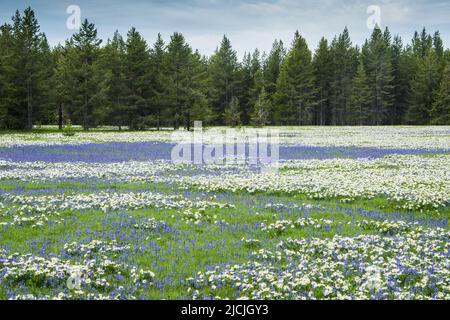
<point>349,213</point>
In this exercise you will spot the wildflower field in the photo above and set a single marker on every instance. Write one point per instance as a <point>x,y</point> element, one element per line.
<point>349,213</point>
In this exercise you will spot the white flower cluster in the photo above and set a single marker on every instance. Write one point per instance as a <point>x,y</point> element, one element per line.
<point>36,209</point>
<point>196,217</point>
<point>95,247</point>
<point>376,137</point>
<point>280,226</point>
<point>412,182</point>
<point>388,227</point>
<point>149,224</point>
<point>92,274</point>
<point>411,266</point>
<point>131,171</point>
<point>251,243</point>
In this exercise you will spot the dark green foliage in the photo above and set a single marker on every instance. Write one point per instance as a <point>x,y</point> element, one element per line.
<point>323,73</point>
<point>344,62</point>
<point>25,65</point>
<point>111,98</point>
<point>428,61</point>
<point>361,99</point>
<point>232,115</point>
<point>223,71</point>
<point>127,83</point>
<point>261,111</point>
<point>294,97</point>
<point>137,80</point>
<point>380,79</point>
<point>85,52</point>
<point>158,71</point>
<point>440,112</point>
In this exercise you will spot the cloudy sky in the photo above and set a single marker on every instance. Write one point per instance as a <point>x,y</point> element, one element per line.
<point>248,23</point>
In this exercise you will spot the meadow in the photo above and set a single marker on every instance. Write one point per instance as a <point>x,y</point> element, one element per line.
<point>349,213</point>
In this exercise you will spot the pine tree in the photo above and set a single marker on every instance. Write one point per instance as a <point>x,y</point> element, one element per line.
<point>178,68</point>
<point>422,87</point>
<point>402,73</point>
<point>138,89</point>
<point>86,49</point>
<point>257,77</point>
<point>440,112</point>
<point>232,115</point>
<point>65,82</point>
<point>110,73</point>
<point>198,107</point>
<point>294,98</point>
<point>158,56</point>
<point>251,80</point>
<point>6,74</point>
<point>322,64</point>
<point>379,71</point>
<point>261,111</point>
<point>426,79</point>
<point>344,64</point>
<point>244,80</point>
<point>45,95</point>
<point>360,100</point>
<point>223,70</point>
<point>26,69</point>
<point>272,67</point>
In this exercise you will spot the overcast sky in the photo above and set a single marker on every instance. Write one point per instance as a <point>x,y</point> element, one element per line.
<point>249,24</point>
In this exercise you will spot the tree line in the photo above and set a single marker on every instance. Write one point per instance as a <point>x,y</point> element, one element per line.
<point>127,82</point>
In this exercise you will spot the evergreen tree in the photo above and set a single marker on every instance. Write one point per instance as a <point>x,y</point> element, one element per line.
<point>158,56</point>
<point>28,40</point>
<point>6,74</point>
<point>232,115</point>
<point>198,107</point>
<point>402,73</point>
<point>27,69</point>
<point>360,100</point>
<point>272,67</point>
<point>251,80</point>
<point>86,49</point>
<point>261,110</point>
<point>178,68</point>
<point>322,64</point>
<point>111,75</point>
<point>344,64</point>
<point>65,82</point>
<point>440,112</point>
<point>45,99</point>
<point>294,98</point>
<point>426,79</point>
<point>379,71</point>
<point>138,88</point>
<point>223,70</point>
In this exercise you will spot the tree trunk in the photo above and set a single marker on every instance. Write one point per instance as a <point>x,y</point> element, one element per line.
<point>60,117</point>
<point>29,108</point>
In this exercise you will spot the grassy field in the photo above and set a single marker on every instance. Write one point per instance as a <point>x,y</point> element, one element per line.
<point>351,213</point>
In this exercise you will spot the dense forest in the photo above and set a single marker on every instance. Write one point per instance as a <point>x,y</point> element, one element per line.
<point>127,82</point>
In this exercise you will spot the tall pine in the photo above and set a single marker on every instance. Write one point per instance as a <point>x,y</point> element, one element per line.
<point>86,49</point>
<point>223,71</point>
<point>294,97</point>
